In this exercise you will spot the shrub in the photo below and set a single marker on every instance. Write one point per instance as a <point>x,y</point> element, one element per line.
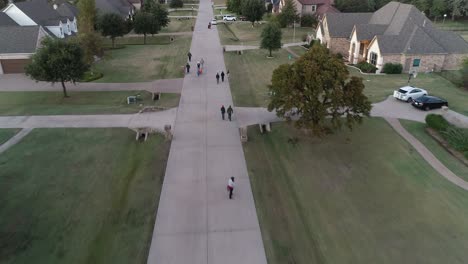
<point>392,68</point>
<point>339,56</point>
<point>457,138</point>
<point>90,76</point>
<point>366,67</point>
<point>176,4</point>
<point>437,122</point>
<point>269,8</point>
<point>308,21</point>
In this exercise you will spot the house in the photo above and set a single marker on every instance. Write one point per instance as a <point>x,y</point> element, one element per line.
<point>309,7</point>
<point>124,8</point>
<point>40,13</point>
<point>17,44</point>
<point>396,33</point>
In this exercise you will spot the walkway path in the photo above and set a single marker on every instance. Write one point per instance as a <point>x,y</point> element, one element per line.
<point>20,82</point>
<point>15,139</point>
<point>251,47</point>
<point>186,33</point>
<point>155,120</point>
<point>426,154</point>
<point>196,222</point>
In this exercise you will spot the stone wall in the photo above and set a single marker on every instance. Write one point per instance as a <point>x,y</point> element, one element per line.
<point>339,45</point>
<point>454,61</point>
<point>428,62</point>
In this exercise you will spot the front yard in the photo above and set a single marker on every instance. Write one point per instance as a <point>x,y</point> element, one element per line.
<point>6,134</point>
<point>96,204</point>
<point>79,103</point>
<point>141,63</point>
<point>354,197</point>
<point>179,25</point>
<point>242,33</point>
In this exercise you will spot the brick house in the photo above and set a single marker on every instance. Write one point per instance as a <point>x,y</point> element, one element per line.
<point>396,33</point>
<point>309,7</point>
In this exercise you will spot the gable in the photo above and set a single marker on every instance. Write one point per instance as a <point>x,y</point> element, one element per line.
<point>18,16</point>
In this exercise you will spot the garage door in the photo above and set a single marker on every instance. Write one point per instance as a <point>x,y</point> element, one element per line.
<point>14,66</point>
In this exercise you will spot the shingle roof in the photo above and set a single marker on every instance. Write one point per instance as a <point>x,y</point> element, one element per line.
<point>315,2</point>
<point>18,39</point>
<point>368,31</point>
<point>41,12</point>
<point>340,25</point>
<point>5,20</point>
<point>121,7</point>
<point>67,10</point>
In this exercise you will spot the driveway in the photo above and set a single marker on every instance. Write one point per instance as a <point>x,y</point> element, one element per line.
<point>393,108</point>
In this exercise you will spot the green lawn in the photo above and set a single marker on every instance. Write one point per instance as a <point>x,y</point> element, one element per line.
<point>183,13</point>
<point>379,87</point>
<point>242,33</point>
<point>250,74</point>
<point>299,50</point>
<point>6,134</point>
<point>179,25</point>
<point>84,196</point>
<point>140,63</point>
<point>79,103</point>
<point>362,197</point>
<point>418,130</point>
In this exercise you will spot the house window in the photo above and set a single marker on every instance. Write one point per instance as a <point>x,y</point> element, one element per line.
<point>361,49</point>
<point>314,8</point>
<point>373,58</point>
<point>416,62</point>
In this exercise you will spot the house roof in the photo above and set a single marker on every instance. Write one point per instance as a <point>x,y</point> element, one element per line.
<point>121,7</point>
<point>340,25</point>
<point>67,10</point>
<point>316,2</point>
<point>41,12</point>
<point>324,9</point>
<point>368,31</point>
<point>19,39</point>
<point>5,20</point>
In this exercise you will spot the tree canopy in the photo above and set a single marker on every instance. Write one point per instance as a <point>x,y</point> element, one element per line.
<point>318,91</point>
<point>234,6</point>
<point>87,37</point>
<point>288,14</point>
<point>57,61</point>
<point>145,23</point>
<point>112,25</point>
<point>271,37</point>
<point>253,10</point>
<point>176,4</point>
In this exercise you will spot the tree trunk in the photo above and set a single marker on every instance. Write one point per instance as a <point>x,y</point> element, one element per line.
<point>144,39</point>
<point>253,23</point>
<point>270,53</point>
<point>113,40</point>
<point>64,89</point>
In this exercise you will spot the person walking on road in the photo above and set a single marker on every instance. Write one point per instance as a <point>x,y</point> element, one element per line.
<point>230,187</point>
<point>198,64</point>
<point>187,67</point>
<point>223,111</point>
<point>217,77</point>
<point>222,76</point>
<point>189,55</point>
<point>230,111</point>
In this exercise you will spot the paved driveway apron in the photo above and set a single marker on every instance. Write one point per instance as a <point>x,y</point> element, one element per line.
<point>196,222</point>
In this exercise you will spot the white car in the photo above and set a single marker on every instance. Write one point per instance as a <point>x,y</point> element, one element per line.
<point>229,18</point>
<point>409,93</point>
<point>214,21</point>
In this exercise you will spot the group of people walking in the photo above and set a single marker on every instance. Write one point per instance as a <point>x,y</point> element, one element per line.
<point>229,110</point>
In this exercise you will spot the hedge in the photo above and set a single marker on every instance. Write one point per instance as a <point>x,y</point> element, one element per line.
<point>437,122</point>
<point>392,68</point>
<point>366,67</point>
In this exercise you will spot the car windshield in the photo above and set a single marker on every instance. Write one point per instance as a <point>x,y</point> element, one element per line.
<point>402,91</point>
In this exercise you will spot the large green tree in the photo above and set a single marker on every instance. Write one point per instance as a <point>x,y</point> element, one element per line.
<point>3,3</point>
<point>145,23</point>
<point>271,37</point>
<point>112,25</point>
<point>438,8</point>
<point>88,38</point>
<point>318,93</point>
<point>234,6</point>
<point>57,61</point>
<point>288,14</point>
<point>253,10</point>
<point>161,15</point>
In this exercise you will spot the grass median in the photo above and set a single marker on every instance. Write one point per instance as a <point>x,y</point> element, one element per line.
<point>353,197</point>
<point>6,134</point>
<point>80,196</point>
<point>80,103</point>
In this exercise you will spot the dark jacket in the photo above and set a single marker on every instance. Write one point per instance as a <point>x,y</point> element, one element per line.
<point>230,110</point>
<point>223,110</point>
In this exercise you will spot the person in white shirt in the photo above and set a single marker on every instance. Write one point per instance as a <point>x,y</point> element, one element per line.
<point>230,187</point>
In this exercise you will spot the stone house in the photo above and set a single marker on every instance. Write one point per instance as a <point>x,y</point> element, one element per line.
<point>396,33</point>
<point>309,7</point>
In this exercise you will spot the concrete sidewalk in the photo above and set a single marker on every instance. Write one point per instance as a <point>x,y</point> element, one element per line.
<point>20,82</point>
<point>155,120</point>
<point>196,222</point>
